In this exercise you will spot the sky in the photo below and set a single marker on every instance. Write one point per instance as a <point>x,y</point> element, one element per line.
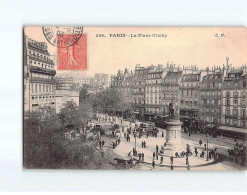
<point>203,47</point>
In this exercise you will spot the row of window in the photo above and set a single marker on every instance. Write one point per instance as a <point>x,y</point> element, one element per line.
<point>41,55</point>
<point>41,99</point>
<point>235,122</point>
<point>235,94</point>
<point>189,84</point>
<point>189,92</point>
<point>235,102</point>
<point>235,84</point>
<point>211,110</point>
<point>209,101</point>
<point>235,112</point>
<point>43,65</point>
<point>42,88</point>
<point>212,85</point>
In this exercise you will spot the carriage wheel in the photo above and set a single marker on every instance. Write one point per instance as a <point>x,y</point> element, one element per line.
<point>127,165</point>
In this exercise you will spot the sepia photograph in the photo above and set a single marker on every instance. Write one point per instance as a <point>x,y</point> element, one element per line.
<point>135,98</point>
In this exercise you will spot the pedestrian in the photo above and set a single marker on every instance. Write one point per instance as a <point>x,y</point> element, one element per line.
<point>210,155</point>
<point>171,167</point>
<point>196,152</point>
<point>161,159</point>
<point>142,157</point>
<point>200,142</point>
<point>187,160</point>
<point>162,134</point>
<point>153,164</point>
<point>116,142</point>
<point>205,146</point>
<point>188,167</point>
<point>157,149</point>
<point>144,144</point>
<point>171,160</point>
<point>176,154</point>
<point>153,155</point>
<point>119,140</point>
<point>103,143</point>
<point>99,143</point>
<point>113,145</point>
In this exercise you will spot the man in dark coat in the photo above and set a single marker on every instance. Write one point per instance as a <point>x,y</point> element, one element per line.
<point>196,152</point>
<point>142,157</point>
<point>153,164</point>
<point>187,160</point>
<point>200,142</point>
<point>171,159</point>
<point>153,155</point>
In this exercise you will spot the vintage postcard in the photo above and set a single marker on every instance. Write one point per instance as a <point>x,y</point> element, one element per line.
<point>134,98</point>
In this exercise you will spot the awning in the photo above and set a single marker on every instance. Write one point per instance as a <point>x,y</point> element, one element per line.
<point>210,126</point>
<point>234,129</point>
<point>147,113</point>
<point>134,112</point>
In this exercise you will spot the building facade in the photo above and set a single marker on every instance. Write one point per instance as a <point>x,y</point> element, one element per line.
<point>64,96</point>
<point>39,73</point>
<point>139,85</point>
<point>190,96</point>
<point>153,91</point>
<point>234,91</point>
<point>64,83</point>
<point>211,95</point>
<point>170,89</point>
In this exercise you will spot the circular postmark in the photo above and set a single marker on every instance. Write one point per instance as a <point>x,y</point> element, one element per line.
<point>62,36</point>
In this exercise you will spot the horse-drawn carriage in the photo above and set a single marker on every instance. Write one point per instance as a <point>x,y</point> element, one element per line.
<point>131,163</point>
<point>98,128</point>
<point>148,129</point>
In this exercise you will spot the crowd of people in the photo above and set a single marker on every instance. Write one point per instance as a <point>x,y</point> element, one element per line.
<point>238,154</point>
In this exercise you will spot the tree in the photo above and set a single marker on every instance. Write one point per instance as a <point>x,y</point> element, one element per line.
<point>43,138</point>
<point>84,95</point>
<point>109,100</point>
<point>70,115</point>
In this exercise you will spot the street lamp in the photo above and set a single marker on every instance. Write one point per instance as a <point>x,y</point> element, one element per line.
<point>135,138</point>
<point>207,136</point>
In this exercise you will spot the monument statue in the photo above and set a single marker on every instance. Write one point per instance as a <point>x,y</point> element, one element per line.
<point>173,131</point>
<point>173,111</point>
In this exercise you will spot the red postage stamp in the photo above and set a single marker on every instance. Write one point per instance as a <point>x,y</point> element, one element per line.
<point>72,57</point>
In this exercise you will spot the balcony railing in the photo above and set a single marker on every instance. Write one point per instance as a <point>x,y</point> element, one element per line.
<point>39,58</point>
<point>37,48</point>
<point>42,80</point>
<point>42,70</point>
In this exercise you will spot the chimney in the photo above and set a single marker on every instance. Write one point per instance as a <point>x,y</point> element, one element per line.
<point>227,60</point>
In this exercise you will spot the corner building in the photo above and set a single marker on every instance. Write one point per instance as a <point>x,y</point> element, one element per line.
<point>234,102</point>
<point>39,73</point>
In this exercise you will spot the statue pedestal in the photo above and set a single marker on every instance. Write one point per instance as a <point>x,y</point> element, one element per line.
<point>173,142</point>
